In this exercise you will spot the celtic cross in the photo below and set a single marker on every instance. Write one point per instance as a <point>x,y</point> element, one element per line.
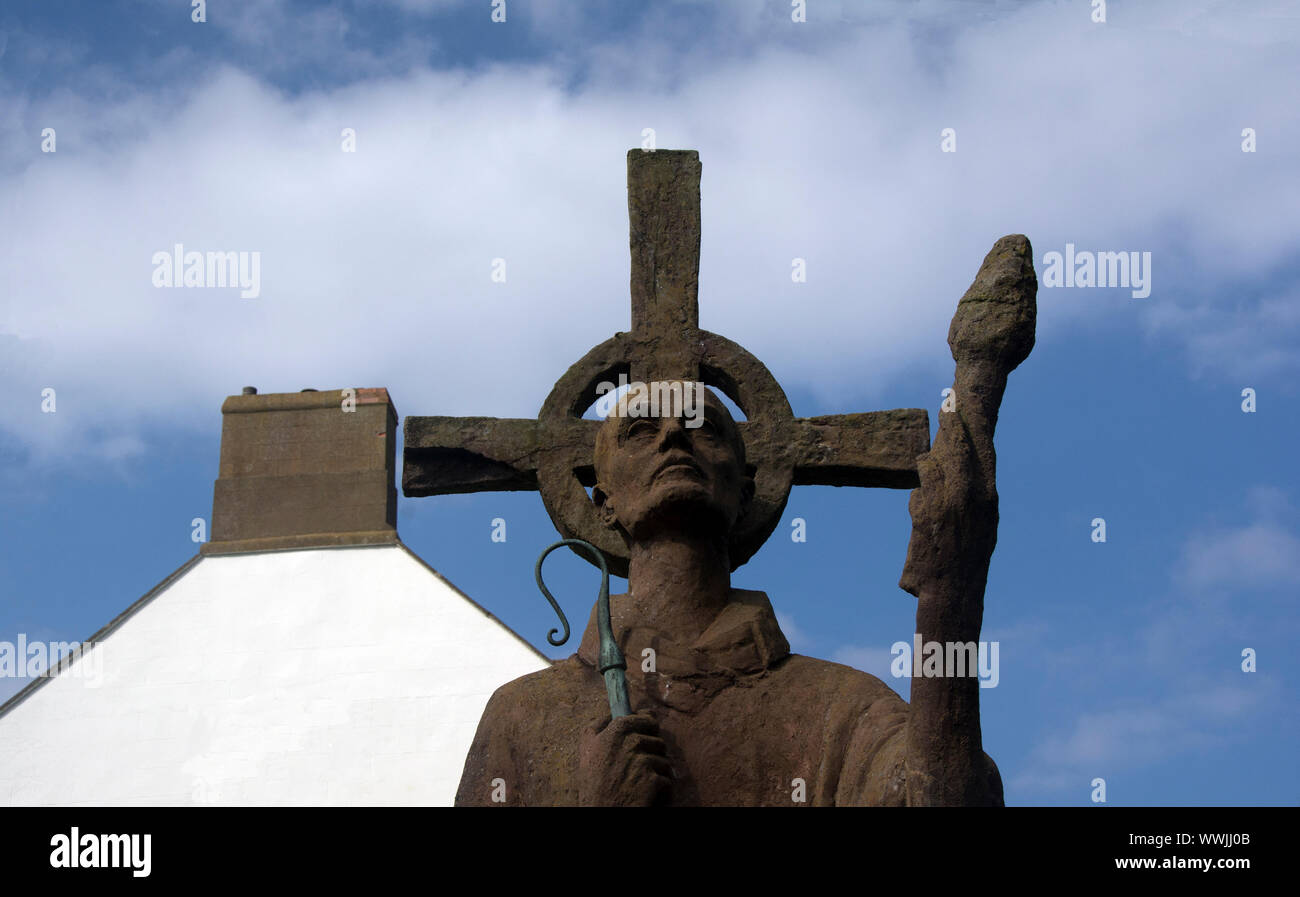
<point>553,454</point>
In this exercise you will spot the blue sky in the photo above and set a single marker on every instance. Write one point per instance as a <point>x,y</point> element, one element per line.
<point>819,140</point>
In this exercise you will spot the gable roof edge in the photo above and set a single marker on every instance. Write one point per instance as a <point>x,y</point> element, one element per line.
<point>480,608</point>
<point>56,668</point>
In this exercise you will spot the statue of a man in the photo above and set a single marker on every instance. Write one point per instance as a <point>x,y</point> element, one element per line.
<point>723,713</point>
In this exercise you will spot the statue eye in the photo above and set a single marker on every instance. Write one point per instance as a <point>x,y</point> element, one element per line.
<point>640,429</point>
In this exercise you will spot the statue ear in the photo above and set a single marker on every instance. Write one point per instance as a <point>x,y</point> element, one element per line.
<point>747,491</point>
<point>604,508</point>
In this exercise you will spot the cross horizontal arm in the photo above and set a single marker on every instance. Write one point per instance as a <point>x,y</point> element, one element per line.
<point>452,455</point>
<point>877,448</point>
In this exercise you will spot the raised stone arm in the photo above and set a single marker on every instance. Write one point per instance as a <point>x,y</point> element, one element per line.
<point>954,528</point>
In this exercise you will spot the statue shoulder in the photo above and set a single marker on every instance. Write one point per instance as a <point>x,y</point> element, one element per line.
<point>846,681</point>
<point>557,682</point>
<point>866,722</point>
<point>527,737</point>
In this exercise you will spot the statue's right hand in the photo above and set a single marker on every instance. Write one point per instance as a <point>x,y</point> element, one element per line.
<point>623,763</point>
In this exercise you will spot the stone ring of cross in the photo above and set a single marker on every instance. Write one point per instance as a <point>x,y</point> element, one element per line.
<point>720,363</point>
<point>554,453</point>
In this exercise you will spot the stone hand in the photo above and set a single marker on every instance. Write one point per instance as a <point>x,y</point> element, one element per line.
<point>994,323</point>
<point>623,763</point>
<point>955,526</point>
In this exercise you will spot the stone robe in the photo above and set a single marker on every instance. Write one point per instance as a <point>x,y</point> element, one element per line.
<point>744,721</point>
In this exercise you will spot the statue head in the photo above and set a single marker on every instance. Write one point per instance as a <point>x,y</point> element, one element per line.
<point>671,471</point>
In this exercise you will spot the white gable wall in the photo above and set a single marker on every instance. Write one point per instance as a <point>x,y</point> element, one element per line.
<point>322,676</point>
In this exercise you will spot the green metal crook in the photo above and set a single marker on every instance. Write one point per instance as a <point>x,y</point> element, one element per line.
<point>611,665</point>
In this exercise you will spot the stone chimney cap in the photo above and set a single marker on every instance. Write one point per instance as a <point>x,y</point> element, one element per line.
<point>302,401</point>
<point>305,470</point>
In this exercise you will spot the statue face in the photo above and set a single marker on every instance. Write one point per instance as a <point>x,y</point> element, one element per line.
<point>656,473</point>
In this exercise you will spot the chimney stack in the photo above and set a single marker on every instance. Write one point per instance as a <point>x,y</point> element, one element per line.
<point>305,470</point>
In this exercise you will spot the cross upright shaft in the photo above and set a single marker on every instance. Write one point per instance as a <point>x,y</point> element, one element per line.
<point>663,209</point>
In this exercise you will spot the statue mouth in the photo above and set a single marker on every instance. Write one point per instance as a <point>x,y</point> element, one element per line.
<point>679,465</point>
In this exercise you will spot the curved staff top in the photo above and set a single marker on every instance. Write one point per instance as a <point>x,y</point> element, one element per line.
<point>611,664</point>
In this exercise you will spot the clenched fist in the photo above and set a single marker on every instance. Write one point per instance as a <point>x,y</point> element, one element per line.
<point>623,763</point>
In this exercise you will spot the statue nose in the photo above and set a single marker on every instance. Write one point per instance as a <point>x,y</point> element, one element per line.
<point>673,435</point>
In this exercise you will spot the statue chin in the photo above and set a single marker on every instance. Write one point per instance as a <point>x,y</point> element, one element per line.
<point>682,508</point>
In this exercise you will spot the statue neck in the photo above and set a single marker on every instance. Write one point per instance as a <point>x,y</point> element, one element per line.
<point>678,585</point>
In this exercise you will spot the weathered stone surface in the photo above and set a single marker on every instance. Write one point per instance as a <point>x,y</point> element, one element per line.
<point>663,206</point>
<point>445,455</point>
<point>741,719</point>
<point>723,713</point>
<point>955,519</point>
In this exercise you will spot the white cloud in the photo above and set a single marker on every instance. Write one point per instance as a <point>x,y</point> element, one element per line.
<point>1185,645</point>
<point>869,659</point>
<point>1134,734</point>
<point>799,640</point>
<point>425,7</point>
<point>1264,552</point>
<point>1253,336</point>
<point>1258,554</point>
<point>375,264</point>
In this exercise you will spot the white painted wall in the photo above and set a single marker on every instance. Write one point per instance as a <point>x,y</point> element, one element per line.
<point>322,676</point>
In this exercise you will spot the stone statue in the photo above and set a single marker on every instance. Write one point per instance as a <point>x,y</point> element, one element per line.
<point>723,713</point>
